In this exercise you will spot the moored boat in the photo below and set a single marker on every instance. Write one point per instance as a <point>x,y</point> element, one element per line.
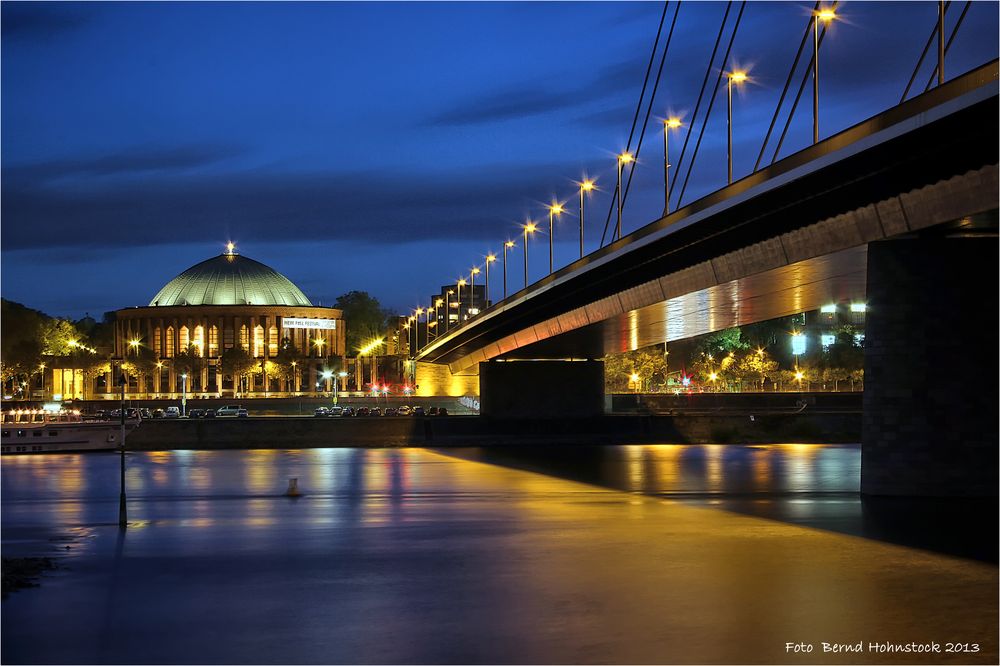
<point>42,431</point>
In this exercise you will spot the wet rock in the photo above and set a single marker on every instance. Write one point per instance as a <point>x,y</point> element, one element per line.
<point>20,572</point>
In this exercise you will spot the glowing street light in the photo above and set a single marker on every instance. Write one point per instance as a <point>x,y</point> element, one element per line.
<point>509,245</point>
<point>418,312</point>
<point>736,77</point>
<point>826,15</point>
<point>668,124</point>
<point>490,258</point>
<point>586,187</point>
<point>529,228</point>
<point>554,209</point>
<point>447,310</point>
<point>623,159</point>
<point>473,272</point>
<point>460,283</point>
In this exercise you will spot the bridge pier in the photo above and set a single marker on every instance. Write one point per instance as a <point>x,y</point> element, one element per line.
<point>539,389</point>
<point>930,403</point>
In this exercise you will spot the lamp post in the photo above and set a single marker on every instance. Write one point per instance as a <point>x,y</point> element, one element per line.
<point>506,246</point>
<point>940,32</point>
<point>824,15</point>
<point>490,258</point>
<point>336,386</point>
<point>447,310</point>
<point>668,124</point>
<point>529,228</point>
<point>737,77</point>
<point>419,311</point>
<point>623,159</point>
<point>184,394</point>
<point>554,209</point>
<point>473,272</point>
<point>585,187</point>
<point>122,510</point>
<point>460,283</point>
<point>437,314</point>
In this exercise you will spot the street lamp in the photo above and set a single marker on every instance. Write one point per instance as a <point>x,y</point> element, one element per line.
<point>327,376</point>
<point>460,283</point>
<point>623,159</point>
<point>447,310</point>
<point>184,394</point>
<point>585,187</point>
<point>490,258</point>
<point>554,209</point>
<point>529,228</point>
<point>419,311</point>
<point>473,272</point>
<point>826,16</point>
<point>736,77</point>
<point>668,124</point>
<point>506,246</point>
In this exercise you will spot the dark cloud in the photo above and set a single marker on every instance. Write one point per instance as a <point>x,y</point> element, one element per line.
<point>533,99</point>
<point>374,207</point>
<point>137,161</point>
<point>40,20</point>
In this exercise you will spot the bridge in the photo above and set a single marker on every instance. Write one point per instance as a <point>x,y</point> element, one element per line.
<point>899,210</point>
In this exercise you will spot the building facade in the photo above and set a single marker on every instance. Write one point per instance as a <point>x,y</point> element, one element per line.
<point>225,302</point>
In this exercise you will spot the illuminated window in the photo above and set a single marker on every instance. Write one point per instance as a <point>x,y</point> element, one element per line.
<point>258,340</point>
<point>185,338</point>
<point>858,307</point>
<point>244,337</point>
<point>827,339</point>
<point>272,341</point>
<point>213,341</point>
<point>199,340</point>
<point>798,344</point>
<point>158,341</point>
<point>170,342</point>
<point>828,309</point>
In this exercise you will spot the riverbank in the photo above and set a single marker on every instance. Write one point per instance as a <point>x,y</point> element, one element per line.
<point>310,432</point>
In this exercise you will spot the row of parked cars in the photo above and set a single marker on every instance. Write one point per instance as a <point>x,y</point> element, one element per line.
<point>404,410</point>
<point>171,413</point>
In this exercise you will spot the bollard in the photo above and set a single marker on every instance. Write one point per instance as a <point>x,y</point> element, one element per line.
<point>293,488</point>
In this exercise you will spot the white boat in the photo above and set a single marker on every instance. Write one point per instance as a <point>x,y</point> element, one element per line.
<point>41,431</point>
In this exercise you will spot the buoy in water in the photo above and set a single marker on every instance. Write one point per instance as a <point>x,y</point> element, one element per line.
<point>293,488</point>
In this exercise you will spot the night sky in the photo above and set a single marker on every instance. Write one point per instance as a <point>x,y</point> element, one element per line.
<point>379,146</point>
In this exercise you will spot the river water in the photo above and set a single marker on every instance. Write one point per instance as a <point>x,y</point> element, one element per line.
<point>507,554</point>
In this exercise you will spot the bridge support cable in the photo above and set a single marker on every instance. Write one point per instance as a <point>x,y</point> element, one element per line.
<point>701,94</point>
<point>788,82</point>
<point>652,98</point>
<point>708,114</point>
<point>923,54</point>
<point>798,95</point>
<point>638,108</point>
<point>951,38</point>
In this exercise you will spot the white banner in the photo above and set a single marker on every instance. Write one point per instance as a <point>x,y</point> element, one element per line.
<point>327,324</point>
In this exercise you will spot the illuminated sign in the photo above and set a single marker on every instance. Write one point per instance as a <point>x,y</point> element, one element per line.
<point>326,324</point>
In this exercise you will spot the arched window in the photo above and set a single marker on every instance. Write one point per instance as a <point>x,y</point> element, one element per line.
<point>213,341</point>
<point>258,340</point>
<point>272,341</point>
<point>158,341</point>
<point>199,340</point>
<point>185,338</point>
<point>244,337</point>
<point>170,342</point>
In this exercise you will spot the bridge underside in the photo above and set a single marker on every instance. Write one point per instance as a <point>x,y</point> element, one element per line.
<point>798,287</point>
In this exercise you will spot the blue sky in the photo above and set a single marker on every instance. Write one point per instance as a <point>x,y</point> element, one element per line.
<point>382,147</point>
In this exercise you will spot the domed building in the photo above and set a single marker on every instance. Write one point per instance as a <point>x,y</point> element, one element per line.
<point>224,302</point>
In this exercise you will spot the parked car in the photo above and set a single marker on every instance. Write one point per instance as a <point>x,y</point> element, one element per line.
<point>443,411</point>
<point>228,410</point>
<point>405,410</point>
<point>158,413</point>
<point>375,411</point>
<point>433,411</point>
<point>418,411</point>
<point>390,411</point>
<point>363,411</point>
<point>145,413</point>
<point>242,413</point>
<point>348,411</point>
<point>321,411</point>
<point>335,411</point>
<point>172,413</point>
<point>196,413</point>
<point>209,413</point>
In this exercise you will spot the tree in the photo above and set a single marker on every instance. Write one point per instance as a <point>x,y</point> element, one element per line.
<point>287,361</point>
<point>364,317</point>
<point>189,362</point>
<point>58,337</point>
<point>756,364</point>
<point>721,343</point>
<point>237,363</point>
<point>648,363</point>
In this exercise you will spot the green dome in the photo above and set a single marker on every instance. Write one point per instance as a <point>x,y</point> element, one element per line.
<point>230,279</point>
